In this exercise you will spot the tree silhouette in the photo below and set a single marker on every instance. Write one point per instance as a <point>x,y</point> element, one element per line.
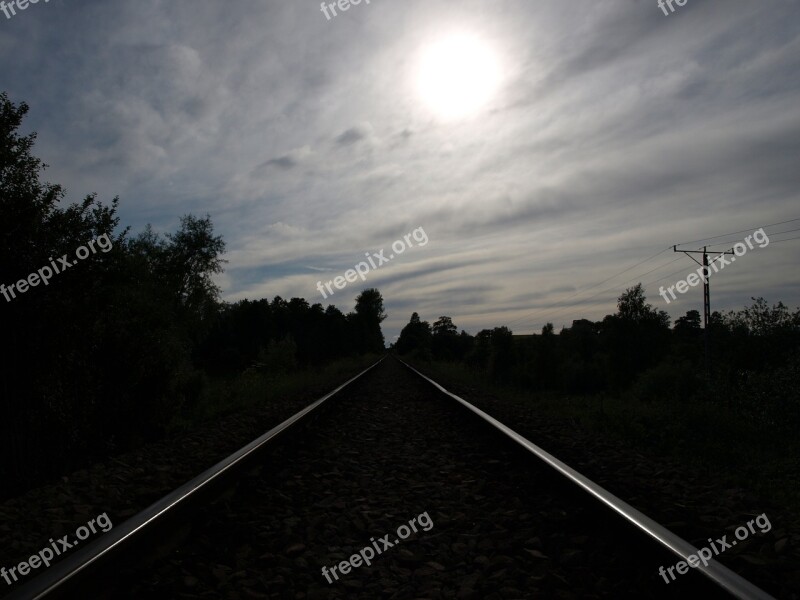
<point>415,336</point>
<point>369,314</point>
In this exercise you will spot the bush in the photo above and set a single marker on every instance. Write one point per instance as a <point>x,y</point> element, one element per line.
<point>279,358</point>
<point>422,355</point>
<point>669,381</point>
<point>584,376</point>
<point>771,398</point>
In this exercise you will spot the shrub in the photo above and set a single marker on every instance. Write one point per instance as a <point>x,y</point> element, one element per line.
<point>669,381</point>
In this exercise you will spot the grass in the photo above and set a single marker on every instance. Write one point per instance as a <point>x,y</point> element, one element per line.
<point>223,396</point>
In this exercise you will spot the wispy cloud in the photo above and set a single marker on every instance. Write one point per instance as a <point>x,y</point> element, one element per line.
<point>616,133</point>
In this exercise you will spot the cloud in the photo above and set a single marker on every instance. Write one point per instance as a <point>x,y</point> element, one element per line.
<point>287,161</point>
<point>618,132</point>
<point>357,133</point>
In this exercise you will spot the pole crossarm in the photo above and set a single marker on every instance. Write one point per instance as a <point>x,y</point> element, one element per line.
<point>704,253</point>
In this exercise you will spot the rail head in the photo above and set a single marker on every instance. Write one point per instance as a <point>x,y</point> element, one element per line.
<point>721,575</point>
<point>66,570</point>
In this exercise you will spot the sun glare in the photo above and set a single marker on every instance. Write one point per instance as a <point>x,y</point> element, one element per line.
<point>458,75</point>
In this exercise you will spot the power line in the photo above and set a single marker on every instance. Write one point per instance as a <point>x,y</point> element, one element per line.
<point>681,270</point>
<point>557,309</point>
<point>651,282</point>
<point>787,231</point>
<point>579,292</point>
<point>786,240</point>
<point>612,289</point>
<point>776,233</point>
<point>735,232</point>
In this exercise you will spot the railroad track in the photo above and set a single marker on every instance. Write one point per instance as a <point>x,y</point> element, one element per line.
<point>452,504</point>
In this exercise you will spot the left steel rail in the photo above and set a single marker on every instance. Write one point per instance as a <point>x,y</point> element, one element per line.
<point>78,565</point>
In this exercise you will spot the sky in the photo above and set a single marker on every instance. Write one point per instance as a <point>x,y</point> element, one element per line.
<point>551,152</point>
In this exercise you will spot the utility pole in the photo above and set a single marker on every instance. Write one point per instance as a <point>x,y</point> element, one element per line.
<point>706,295</point>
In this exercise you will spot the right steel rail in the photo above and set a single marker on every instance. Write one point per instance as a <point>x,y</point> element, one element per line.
<point>733,583</point>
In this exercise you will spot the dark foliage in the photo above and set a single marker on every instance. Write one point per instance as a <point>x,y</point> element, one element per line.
<point>753,371</point>
<point>106,354</point>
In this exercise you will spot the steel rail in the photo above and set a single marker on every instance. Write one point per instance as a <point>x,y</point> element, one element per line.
<point>721,575</point>
<point>60,573</point>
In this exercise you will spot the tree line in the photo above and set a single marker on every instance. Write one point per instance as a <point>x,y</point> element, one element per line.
<point>105,355</point>
<point>754,367</point>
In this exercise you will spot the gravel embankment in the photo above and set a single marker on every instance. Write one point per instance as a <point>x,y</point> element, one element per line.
<point>384,453</point>
<point>126,484</point>
<point>388,451</point>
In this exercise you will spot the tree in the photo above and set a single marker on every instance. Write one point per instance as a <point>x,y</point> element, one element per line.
<point>369,314</point>
<point>636,337</point>
<point>759,319</point>
<point>689,322</point>
<point>760,334</point>
<point>415,336</point>
<point>445,344</point>
<point>444,326</point>
<point>688,326</point>
<point>501,360</point>
<point>192,257</point>
<point>103,352</point>
<point>545,367</point>
<point>632,306</point>
<point>369,305</point>
<point>25,202</point>
<point>481,350</point>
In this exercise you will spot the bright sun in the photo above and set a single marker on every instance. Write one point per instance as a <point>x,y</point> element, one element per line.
<point>458,75</point>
